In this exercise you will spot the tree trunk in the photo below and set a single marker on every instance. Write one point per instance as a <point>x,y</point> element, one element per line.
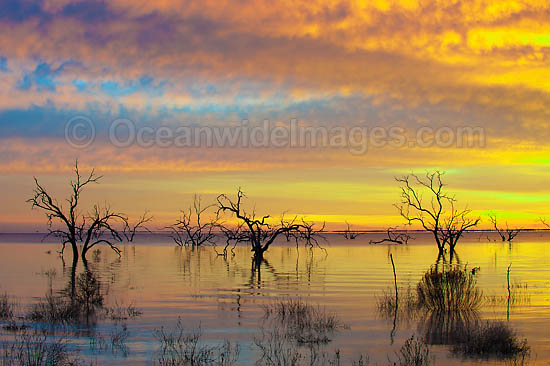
<point>83,254</point>
<point>74,247</point>
<point>73,275</point>
<point>258,255</point>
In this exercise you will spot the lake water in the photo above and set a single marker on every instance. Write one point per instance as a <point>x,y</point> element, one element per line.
<point>225,297</point>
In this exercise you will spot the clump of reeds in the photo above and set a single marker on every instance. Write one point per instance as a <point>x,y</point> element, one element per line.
<point>34,349</point>
<point>118,339</point>
<point>182,348</point>
<point>453,289</point>
<point>78,304</point>
<point>6,306</point>
<point>120,312</point>
<point>406,304</point>
<point>491,339</point>
<point>98,343</point>
<point>278,349</point>
<point>303,322</point>
<point>387,304</point>
<point>449,290</point>
<point>70,306</point>
<point>363,360</point>
<point>55,309</point>
<point>88,295</point>
<point>518,295</point>
<point>413,353</point>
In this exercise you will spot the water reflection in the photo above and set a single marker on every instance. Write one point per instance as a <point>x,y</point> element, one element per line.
<point>226,294</point>
<point>445,327</point>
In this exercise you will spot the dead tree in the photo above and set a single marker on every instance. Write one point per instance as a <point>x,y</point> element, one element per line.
<point>437,214</point>
<point>545,223</point>
<point>233,236</point>
<point>72,227</point>
<point>506,234</point>
<point>129,231</point>
<point>287,222</point>
<point>393,236</point>
<point>258,231</point>
<point>100,228</point>
<point>455,225</point>
<point>192,229</point>
<point>350,234</point>
<point>310,235</point>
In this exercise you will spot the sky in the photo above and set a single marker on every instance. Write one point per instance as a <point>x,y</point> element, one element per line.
<point>72,71</point>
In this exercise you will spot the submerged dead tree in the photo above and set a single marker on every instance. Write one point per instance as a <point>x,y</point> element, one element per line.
<point>505,233</point>
<point>233,236</point>
<point>258,231</point>
<point>68,222</point>
<point>349,233</point>
<point>393,236</point>
<point>192,229</point>
<point>436,213</point>
<point>310,234</point>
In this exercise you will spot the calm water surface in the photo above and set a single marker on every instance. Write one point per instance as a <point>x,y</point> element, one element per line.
<point>225,297</point>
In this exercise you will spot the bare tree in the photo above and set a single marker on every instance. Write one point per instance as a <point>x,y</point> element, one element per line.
<point>308,233</point>
<point>129,231</point>
<point>257,231</point>
<point>287,222</point>
<point>192,229</point>
<point>311,235</point>
<point>72,227</point>
<point>437,214</point>
<point>545,223</point>
<point>455,225</point>
<point>506,234</point>
<point>233,236</point>
<point>393,236</point>
<point>349,233</point>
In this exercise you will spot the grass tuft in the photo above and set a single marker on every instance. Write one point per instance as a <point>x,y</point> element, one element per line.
<point>54,310</point>
<point>413,353</point>
<point>491,339</point>
<point>406,305</point>
<point>6,306</point>
<point>453,289</point>
<point>81,304</point>
<point>303,322</point>
<point>279,350</point>
<point>183,348</point>
<point>34,349</point>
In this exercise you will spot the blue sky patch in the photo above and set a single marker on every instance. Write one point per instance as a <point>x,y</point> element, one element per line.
<point>3,64</point>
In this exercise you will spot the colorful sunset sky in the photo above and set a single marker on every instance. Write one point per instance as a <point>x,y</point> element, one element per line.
<point>412,64</point>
